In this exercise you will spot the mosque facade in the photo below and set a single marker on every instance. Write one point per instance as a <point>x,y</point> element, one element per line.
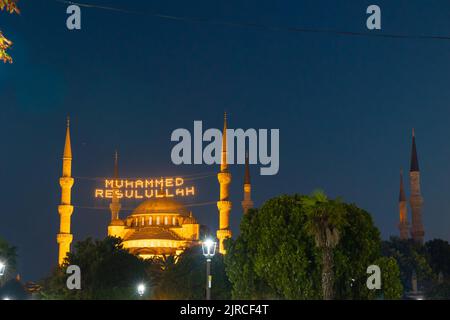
<point>157,226</point>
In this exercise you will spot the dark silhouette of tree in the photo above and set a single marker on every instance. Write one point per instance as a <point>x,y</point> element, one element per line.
<point>438,255</point>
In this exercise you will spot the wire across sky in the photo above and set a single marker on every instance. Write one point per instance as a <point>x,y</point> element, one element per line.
<point>266,27</point>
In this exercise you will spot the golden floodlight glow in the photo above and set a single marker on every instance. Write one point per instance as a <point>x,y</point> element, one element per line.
<point>164,187</point>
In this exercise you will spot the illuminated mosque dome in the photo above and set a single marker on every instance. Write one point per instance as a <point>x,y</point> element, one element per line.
<point>157,227</point>
<point>162,205</point>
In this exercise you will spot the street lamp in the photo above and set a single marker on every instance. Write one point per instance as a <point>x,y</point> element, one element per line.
<point>141,289</point>
<point>2,268</point>
<point>209,249</point>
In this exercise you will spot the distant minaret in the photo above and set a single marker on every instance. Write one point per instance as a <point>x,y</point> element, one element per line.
<point>247,203</point>
<point>65,209</point>
<point>415,200</point>
<point>403,225</point>
<point>115,203</point>
<point>224,205</point>
<point>116,227</point>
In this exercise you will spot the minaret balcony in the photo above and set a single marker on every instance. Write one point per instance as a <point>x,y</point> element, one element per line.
<point>224,177</point>
<point>64,238</point>
<point>65,210</point>
<point>224,205</point>
<point>66,182</point>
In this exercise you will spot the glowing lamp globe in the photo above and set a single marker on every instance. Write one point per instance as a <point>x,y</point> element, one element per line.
<point>141,289</point>
<point>2,268</point>
<point>209,248</point>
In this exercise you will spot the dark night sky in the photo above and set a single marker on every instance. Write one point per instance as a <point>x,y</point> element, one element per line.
<point>344,105</point>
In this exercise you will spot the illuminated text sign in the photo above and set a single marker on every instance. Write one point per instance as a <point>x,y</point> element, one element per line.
<point>144,188</point>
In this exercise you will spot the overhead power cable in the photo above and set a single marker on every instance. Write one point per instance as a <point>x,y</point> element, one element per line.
<point>259,25</point>
<point>103,208</point>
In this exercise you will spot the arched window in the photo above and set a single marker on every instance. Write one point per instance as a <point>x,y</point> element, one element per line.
<point>174,221</point>
<point>143,221</point>
<point>150,220</point>
<point>166,220</point>
<point>157,220</point>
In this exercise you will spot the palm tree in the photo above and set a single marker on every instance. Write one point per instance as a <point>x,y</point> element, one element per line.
<point>325,219</point>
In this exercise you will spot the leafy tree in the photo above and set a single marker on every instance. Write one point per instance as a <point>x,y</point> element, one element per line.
<point>358,248</point>
<point>108,271</point>
<point>391,284</point>
<point>11,7</point>
<point>324,220</point>
<point>240,262</point>
<point>186,279</point>
<point>411,257</point>
<point>438,256</point>
<point>440,291</point>
<point>275,254</point>
<point>8,255</point>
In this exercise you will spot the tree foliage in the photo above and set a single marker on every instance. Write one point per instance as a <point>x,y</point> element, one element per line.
<point>9,6</point>
<point>440,291</point>
<point>438,255</point>
<point>390,278</point>
<point>275,255</point>
<point>411,257</point>
<point>108,271</point>
<point>186,279</point>
<point>430,262</point>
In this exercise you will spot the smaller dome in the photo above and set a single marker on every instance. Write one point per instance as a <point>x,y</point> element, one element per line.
<point>190,219</point>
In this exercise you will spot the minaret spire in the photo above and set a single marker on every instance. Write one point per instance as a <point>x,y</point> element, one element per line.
<point>224,163</point>
<point>67,145</point>
<point>116,165</point>
<point>414,159</point>
<point>224,205</point>
<point>115,228</point>
<point>416,200</point>
<point>247,203</point>
<point>403,225</point>
<point>65,209</point>
<point>115,203</point>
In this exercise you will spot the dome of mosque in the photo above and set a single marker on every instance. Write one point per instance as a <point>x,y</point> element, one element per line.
<point>160,206</point>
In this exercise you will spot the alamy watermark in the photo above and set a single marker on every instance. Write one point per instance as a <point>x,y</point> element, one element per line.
<point>190,150</point>
<point>73,21</point>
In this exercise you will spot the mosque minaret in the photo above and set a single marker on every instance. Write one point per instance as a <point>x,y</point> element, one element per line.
<point>415,200</point>
<point>247,203</point>
<point>116,226</point>
<point>416,229</point>
<point>403,225</point>
<point>65,209</point>
<point>224,205</point>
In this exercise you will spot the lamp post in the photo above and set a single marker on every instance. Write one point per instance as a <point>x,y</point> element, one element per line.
<point>2,268</point>
<point>141,289</point>
<point>209,249</point>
